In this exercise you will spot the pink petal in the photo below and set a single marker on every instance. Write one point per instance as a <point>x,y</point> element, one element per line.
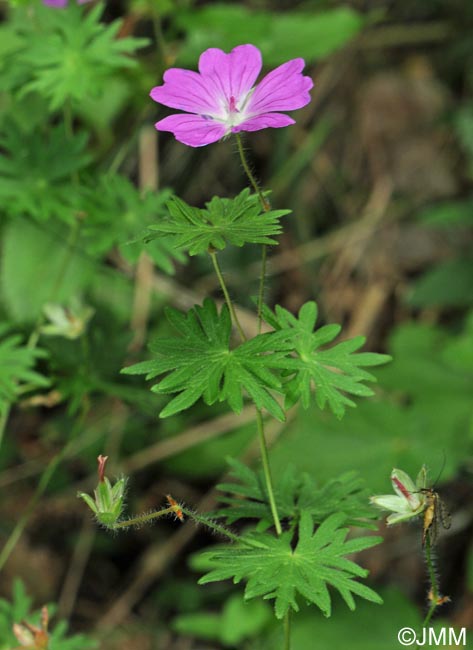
<point>186,90</point>
<point>234,74</point>
<point>264,121</point>
<point>283,89</point>
<point>193,130</point>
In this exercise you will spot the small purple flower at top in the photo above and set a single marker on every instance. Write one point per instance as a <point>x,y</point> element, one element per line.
<point>59,4</point>
<point>222,97</point>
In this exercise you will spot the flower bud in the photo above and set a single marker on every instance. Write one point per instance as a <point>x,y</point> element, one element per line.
<point>109,499</point>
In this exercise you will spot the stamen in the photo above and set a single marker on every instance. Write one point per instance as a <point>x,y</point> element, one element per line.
<point>232,106</point>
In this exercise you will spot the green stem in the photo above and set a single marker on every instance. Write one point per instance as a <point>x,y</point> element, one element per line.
<point>143,519</point>
<point>287,631</point>
<point>264,203</point>
<point>434,586</point>
<point>228,300</point>
<point>200,519</point>
<point>266,207</point>
<point>209,523</point>
<point>262,280</point>
<point>267,471</point>
<point>259,417</point>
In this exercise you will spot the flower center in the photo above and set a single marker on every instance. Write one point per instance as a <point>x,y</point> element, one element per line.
<point>235,112</point>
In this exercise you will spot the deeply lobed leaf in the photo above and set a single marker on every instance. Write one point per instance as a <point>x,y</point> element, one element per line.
<point>246,497</point>
<point>276,570</point>
<point>68,55</point>
<point>201,364</point>
<point>17,363</point>
<point>334,372</point>
<point>236,221</point>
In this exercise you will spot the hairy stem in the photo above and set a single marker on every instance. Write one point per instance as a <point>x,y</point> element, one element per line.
<point>266,207</point>
<point>228,300</point>
<point>267,471</point>
<point>254,183</point>
<point>143,519</point>
<point>212,525</point>
<point>434,594</point>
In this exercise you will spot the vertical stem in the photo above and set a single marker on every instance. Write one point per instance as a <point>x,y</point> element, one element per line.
<point>287,631</point>
<point>228,300</point>
<point>264,203</point>
<point>262,280</point>
<point>267,471</point>
<point>259,417</point>
<point>266,207</point>
<point>434,587</point>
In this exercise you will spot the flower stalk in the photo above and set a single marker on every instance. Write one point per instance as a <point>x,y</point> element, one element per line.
<point>266,207</point>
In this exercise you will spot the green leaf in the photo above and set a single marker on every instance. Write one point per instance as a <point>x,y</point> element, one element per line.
<point>17,364</point>
<point>69,53</point>
<point>333,372</point>
<point>235,221</point>
<point>295,492</point>
<point>200,363</point>
<point>276,570</point>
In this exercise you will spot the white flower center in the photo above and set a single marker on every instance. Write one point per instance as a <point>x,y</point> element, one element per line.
<point>233,111</point>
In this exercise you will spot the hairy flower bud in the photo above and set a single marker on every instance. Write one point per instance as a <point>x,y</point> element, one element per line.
<point>109,499</point>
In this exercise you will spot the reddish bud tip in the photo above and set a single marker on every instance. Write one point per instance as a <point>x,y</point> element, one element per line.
<point>102,461</point>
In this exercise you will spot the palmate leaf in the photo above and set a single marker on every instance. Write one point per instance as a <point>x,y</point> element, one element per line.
<point>294,493</point>
<point>69,53</point>
<point>235,221</point>
<point>334,371</point>
<point>16,368</point>
<point>201,364</point>
<point>274,570</point>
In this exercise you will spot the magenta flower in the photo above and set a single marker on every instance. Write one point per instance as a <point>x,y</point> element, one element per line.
<point>222,97</point>
<point>59,4</point>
